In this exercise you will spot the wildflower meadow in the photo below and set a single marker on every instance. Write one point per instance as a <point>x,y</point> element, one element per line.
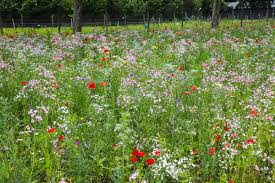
<point>129,105</point>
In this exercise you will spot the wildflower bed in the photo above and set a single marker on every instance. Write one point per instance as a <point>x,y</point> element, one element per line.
<point>190,105</point>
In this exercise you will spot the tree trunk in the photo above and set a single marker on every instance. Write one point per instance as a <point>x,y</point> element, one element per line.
<point>242,16</point>
<point>148,20</point>
<point>182,13</point>
<point>59,19</point>
<point>22,20</point>
<point>107,18</point>
<point>77,27</point>
<point>174,17</point>
<point>1,23</point>
<point>267,12</point>
<point>215,14</point>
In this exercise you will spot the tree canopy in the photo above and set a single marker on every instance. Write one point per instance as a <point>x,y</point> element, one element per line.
<point>34,9</point>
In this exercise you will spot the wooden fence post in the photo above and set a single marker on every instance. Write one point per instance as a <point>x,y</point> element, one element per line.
<point>13,24</point>
<point>52,20</point>
<point>22,22</point>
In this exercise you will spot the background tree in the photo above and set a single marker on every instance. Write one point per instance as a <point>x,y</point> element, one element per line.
<point>216,14</point>
<point>60,7</point>
<point>77,24</point>
<point>6,7</point>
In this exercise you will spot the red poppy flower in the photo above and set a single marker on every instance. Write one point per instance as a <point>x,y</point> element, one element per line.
<point>104,59</point>
<point>253,113</point>
<point>134,160</point>
<point>100,65</point>
<point>226,128</point>
<point>194,152</point>
<point>238,145</point>
<point>51,130</point>
<point>103,83</point>
<point>23,82</point>
<point>59,66</point>
<point>85,40</point>
<point>135,152</point>
<point>114,145</point>
<point>211,150</point>
<point>231,181</point>
<point>106,51</point>
<point>193,88</point>
<point>55,86</point>
<point>141,154</point>
<point>61,137</point>
<point>250,141</point>
<point>186,93</point>
<point>181,68</point>
<point>172,75</point>
<point>150,161</point>
<point>227,145</point>
<point>157,153</point>
<point>218,137</point>
<point>91,85</point>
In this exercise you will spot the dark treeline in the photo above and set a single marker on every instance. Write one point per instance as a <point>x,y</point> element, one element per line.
<point>46,9</point>
<point>77,12</point>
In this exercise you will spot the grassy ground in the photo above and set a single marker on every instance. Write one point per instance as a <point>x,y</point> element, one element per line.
<point>175,26</point>
<point>127,105</point>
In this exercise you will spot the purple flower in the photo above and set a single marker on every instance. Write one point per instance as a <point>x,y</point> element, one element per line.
<point>77,142</point>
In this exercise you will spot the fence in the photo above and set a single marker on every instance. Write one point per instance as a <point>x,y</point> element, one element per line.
<point>100,21</point>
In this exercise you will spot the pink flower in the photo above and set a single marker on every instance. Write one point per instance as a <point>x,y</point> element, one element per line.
<point>234,135</point>
<point>250,141</point>
<point>268,118</point>
<point>157,153</point>
<point>205,65</point>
